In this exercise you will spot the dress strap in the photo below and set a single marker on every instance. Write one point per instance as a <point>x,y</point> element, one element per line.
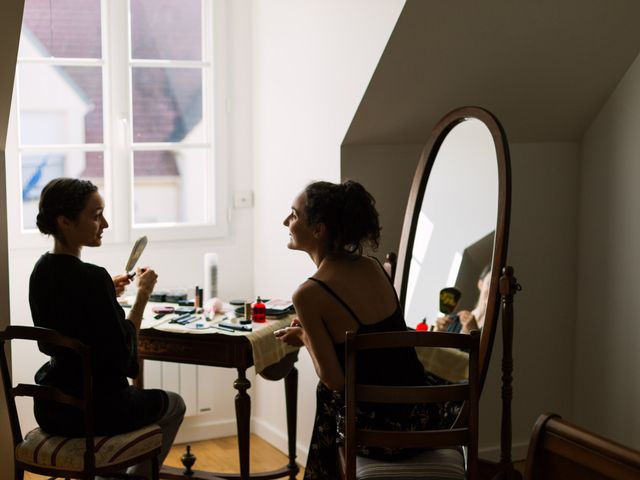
<point>335,295</point>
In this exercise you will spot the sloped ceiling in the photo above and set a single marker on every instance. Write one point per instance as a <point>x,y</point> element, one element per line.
<point>544,67</point>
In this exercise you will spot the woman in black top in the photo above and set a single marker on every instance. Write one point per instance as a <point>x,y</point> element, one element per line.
<point>79,300</point>
<point>349,291</point>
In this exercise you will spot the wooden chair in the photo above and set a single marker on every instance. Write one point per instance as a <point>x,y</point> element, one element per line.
<point>563,451</point>
<point>444,457</point>
<point>57,456</point>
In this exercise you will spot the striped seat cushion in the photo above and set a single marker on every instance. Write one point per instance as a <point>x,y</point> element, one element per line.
<point>43,449</point>
<point>439,464</point>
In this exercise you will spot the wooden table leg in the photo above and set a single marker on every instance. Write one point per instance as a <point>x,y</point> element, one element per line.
<point>243,415</point>
<point>291,399</point>
<point>243,418</point>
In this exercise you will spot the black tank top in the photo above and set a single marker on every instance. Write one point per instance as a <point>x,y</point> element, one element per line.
<point>397,366</point>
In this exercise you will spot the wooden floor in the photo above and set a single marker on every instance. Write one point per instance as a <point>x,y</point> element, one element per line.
<point>221,455</point>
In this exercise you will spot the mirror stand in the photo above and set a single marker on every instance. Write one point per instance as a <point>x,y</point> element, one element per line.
<point>508,288</point>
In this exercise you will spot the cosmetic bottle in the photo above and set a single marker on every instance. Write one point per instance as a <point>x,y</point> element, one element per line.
<point>197,298</point>
<point>259,311</point>
<point>422,326</point>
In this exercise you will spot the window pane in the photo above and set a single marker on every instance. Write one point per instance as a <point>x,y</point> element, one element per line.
<point>170,187</point>
<point>39,168</point>
<point>68,110</point>
<point>61,28</point>
<point>166,29</point>
<point>167,105</point>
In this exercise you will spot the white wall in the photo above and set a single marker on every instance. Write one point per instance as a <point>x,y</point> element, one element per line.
<point>542,251</point>
<point>312,62</point>
<point>607,389</point>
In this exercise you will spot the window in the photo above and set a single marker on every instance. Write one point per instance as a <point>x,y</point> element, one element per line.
<point>123,93</point>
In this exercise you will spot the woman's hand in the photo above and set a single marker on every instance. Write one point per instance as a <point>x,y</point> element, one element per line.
<point>120,282</point>
<point>442,323</point>
<point>468,321</point>
<point>147,279</point>
<point>292,335</point>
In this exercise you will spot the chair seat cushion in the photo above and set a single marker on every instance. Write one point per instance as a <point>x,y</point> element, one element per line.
<point>440,464</point>
<point>40,448</point>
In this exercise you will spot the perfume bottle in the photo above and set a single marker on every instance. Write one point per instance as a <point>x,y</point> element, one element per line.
<point>259,311</point>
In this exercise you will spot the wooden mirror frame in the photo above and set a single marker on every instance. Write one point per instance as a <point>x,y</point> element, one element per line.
<point>416,195</point>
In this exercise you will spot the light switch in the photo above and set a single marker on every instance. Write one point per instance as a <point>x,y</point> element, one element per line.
<point>243,199</point>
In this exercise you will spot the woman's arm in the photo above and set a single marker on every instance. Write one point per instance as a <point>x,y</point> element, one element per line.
<point>113,338</point>
<point>308,304</point>
<point>468,321</point>
<point>147,279</point>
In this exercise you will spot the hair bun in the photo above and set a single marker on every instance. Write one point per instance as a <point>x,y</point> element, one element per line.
<point>62,196</point>
<point>42,224</point>
<point>347,210</point>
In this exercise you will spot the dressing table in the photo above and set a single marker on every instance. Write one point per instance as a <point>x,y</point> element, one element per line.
<point>239,350</point>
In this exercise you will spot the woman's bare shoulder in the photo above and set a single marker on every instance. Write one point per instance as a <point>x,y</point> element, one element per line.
<point>305,292</point>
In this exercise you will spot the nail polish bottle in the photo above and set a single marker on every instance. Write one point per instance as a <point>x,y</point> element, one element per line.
<point>422,326</point>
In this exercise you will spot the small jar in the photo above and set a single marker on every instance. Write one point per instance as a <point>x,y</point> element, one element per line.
<point>259,311</point>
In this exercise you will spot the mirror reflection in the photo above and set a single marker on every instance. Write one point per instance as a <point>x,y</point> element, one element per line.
<point>454,237</point>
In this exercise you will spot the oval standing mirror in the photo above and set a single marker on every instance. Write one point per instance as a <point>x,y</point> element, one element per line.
<point>454,238</point>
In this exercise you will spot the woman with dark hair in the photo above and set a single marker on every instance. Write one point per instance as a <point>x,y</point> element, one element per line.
<point>78,299</point>
<point>334,223</point>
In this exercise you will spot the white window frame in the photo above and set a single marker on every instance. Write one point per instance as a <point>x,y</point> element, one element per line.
<point>117,147</point>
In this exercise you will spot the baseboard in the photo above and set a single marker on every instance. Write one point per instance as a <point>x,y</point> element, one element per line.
<point>518,452</point>
<point>195,429</point>
<point>279,440</point>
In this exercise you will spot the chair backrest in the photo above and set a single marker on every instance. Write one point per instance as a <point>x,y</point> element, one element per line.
<point>390,263</point>
<point>561,450</point>
<point>85,403</point>
<point>464,432</point>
